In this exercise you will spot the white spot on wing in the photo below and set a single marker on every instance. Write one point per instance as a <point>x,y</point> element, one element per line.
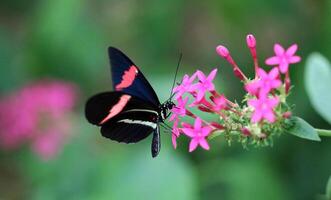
<point>141,110</point>
<point>145,123</point>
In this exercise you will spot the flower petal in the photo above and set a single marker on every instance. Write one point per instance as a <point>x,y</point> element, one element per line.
<point>295,59</point>
<point>257,116</point>
<point>201,75</point>
<point>189,132</point>
<point>253,87</point>
<point>197,123</point>
<point>283,67</point>
<point>174,141</point>
<point>210,86</point>
<point>205,131</point>
<point>274,73</point>
<point>212,75</point>
<point>253,102</point>
<point>193,145</point>
<point>191,79</point>
<point>276,83</point>
<point>272,61</point>
<point>273,102</point>
<point>270,116</point>
<point>279,50</point>
<point>291,50</point>
<point>261,73</point>
<point>200,95</point>
<point>203,143</point>
<point>173,117</point>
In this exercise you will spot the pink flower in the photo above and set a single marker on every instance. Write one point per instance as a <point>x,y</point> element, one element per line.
<point>263,108</point>
<point>265,83</point>
<point>46,144</point>
<point>185,85</point>
<point>283,58</point>
<point>253,87</point>
<point>220,103</point>
<point>269,81</point>
<point>35,114</point>
<point>179,109</point>
<point>198,133</point>
<point>205,84</point>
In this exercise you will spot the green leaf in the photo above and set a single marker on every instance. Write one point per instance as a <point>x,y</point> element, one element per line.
<point>302,129</point>
<point>328,189</point>
<point>317,83</point>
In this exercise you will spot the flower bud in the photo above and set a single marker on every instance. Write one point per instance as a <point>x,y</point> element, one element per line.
<point>251,42</point>
<point>245,131</point>
<point>222,51</point>
<point>287,114</point>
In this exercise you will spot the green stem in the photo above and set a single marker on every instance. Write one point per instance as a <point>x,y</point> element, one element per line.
<point>323,132</point>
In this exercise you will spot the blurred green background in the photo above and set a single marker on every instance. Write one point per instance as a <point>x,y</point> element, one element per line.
<point>67,40</point>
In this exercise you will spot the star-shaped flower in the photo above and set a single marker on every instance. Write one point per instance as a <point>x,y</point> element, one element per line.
<point>253,87</point>
<point>220,103</point>
<point>185,85</point>
<point>179,109</point>
<point>198,133</point>
<point>265,83</point>
<point>263,108</point>
<point>269,81</point>
<point>283,57</point>
<point>205,84</point>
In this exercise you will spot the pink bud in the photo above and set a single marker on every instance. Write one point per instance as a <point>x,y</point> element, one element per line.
<point>245,131</point>
<point>251,42</point>
<point>204,109</point>
<point>222,51</point>
<point>189,113</point>
<point>287,114</point>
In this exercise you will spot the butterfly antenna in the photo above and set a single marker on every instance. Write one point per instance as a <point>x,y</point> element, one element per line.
<point>173,84</point>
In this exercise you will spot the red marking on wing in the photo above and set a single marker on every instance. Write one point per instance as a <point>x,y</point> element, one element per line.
<point>117,108</point>
<point>127,78</point>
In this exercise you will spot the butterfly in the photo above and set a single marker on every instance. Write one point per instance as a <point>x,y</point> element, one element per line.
<point>132,111</point>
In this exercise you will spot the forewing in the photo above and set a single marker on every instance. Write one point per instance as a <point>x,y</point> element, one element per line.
<point>127,77</point>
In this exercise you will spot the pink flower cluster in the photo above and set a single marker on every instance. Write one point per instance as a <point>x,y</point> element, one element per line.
<point>197,86</point>
<point>262,97</point>
<point>265,82</point>
<point>37,114</point>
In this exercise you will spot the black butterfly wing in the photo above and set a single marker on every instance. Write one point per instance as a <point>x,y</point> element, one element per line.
<point>128,78</point>
<point>122,117</point>
<point>130,127</point>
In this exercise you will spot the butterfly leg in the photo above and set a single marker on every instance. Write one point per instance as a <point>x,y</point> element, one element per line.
<point>156,142</point>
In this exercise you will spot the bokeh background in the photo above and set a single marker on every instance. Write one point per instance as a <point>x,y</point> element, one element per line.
<point>50,46</point>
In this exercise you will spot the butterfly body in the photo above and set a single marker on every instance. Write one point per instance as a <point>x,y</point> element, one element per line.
<point>132,111</point>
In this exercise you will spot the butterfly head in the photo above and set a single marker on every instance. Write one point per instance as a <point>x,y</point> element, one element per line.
<point>165,108</point>
<point>169,104</point>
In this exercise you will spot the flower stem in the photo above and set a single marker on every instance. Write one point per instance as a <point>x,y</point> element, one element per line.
<point>323,132</point>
